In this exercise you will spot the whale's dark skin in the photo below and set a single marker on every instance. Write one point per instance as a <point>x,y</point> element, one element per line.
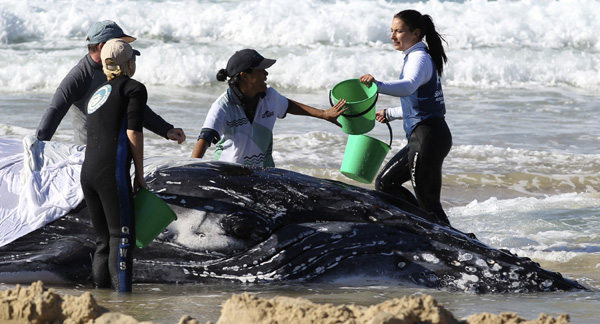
<point>262,225</point>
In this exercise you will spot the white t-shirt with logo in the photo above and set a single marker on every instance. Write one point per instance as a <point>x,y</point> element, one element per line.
<point>241,141</point>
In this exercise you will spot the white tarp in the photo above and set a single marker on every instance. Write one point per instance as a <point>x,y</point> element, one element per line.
<point>40,183</point>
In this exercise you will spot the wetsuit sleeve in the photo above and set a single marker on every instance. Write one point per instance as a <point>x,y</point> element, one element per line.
<point>72,88</point>
<point>155,123</point>
<point>416,72</point>
<point>209,135</point>
<point>136,109</point>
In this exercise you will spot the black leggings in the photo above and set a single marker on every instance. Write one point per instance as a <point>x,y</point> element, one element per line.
<point>421,162</point>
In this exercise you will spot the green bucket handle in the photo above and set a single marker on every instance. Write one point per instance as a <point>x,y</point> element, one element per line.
<point>387,123</point>
<point>360,113</point>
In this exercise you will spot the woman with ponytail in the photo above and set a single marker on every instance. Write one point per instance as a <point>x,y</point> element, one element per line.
<point>240,122</point>
<point>423,111</point>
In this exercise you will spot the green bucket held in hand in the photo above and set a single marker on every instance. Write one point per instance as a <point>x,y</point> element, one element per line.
<point>360,100</point>
<point>363,157</point>
<point>152,216</point>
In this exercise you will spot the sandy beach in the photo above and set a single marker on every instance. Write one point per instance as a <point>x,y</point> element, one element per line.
<point>36,304</point>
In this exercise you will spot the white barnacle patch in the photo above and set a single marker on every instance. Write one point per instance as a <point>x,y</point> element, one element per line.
<point>487,274</point>
<point>373,219</point>
<point>547,283</point>
<point>337,236</point>
<point>496,267</point>
<point>465,280</point>
<point>481,263</point>
<point>430,258</point>
<point>173,182</point>
<point>456,263</point>
<point>465,257</point>
<point>513,275</point>
<point>470,269</point>
<point>320,270</point>
<point>401,265</point>
<point>416,257</point>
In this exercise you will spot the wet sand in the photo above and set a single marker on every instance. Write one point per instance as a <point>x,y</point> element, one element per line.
<point>36,304</point>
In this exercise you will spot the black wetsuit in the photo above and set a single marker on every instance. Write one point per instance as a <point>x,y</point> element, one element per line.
<point>117,106</point>
<point>74,92</point>
<point>421,162</point>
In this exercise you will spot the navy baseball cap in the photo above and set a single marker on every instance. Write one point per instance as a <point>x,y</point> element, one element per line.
<point>103,31</point>
<point>245,59</point>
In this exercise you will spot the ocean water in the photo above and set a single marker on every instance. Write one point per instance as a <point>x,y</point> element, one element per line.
<point>522,88</point>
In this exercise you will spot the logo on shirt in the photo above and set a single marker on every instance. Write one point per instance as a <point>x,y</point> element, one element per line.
<point>99,98</point>
<point>268,114</point>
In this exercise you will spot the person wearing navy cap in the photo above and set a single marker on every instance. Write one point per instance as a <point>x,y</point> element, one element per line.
<point>240,122</point>
<point>80,83</point>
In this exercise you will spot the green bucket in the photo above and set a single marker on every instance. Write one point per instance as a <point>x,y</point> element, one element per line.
<point>363,157</point>
<point>152,216</point>
<point>360,100</point>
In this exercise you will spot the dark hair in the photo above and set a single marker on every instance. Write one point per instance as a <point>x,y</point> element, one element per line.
<point>414,20</point>
<point>93,48</point>
<point>234,80</point>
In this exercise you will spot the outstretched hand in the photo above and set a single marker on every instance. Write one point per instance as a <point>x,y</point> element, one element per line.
<point>176,134</point>
<point>334,112</point>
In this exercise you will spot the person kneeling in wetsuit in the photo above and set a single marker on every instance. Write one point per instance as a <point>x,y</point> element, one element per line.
<point>114,138</point>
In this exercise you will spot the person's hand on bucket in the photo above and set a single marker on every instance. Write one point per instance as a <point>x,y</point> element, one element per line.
<point>334,112</point>
<point>380,116</point>
<point>367,79</point>
<point>138,183</point>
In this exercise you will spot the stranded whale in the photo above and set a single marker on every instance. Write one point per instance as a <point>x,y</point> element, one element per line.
<point>260,225</point>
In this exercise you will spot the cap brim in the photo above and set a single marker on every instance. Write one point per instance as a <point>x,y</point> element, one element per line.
<point>265,64</point>
<point>136,52</point>
<point>128,38</point>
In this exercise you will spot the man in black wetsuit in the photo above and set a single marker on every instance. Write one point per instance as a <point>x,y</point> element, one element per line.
<point>115,118</point>
<point>81,82</point>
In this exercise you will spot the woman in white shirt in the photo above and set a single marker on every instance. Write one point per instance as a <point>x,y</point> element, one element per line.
<point>240,122</point>
<point>423,111</point>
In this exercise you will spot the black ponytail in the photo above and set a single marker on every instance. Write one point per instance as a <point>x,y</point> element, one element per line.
<point>234,80</point>
<point>222,75</point>
<point>414,20</point>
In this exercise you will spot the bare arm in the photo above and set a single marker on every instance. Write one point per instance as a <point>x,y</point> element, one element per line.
<point>330,114</point>
<point>136,143</point>
<point>200,148</point>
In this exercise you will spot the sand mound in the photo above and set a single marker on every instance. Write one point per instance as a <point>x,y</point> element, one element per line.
<point>36,305</point>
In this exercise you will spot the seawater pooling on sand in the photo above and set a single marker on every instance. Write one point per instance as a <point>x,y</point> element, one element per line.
<point>521,89</point>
